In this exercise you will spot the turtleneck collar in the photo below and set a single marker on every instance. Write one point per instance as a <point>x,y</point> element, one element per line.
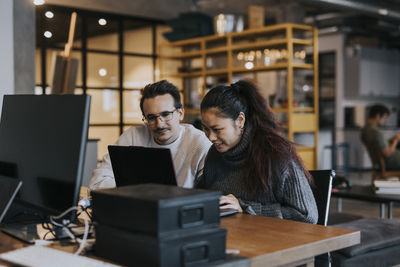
<point>238,152</point>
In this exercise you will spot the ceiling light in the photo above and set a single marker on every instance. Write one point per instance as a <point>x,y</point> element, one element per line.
<point>38,2</point>
<point>102,22</point>
<point>48,34</point>
<point>49,14</point>
<point>383,11</point>
<point>102,72</point>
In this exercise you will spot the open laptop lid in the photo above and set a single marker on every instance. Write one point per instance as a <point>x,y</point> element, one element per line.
<point>8,190</point>
<point>139,165</point>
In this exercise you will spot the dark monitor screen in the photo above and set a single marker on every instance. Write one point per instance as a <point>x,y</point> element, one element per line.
<point>45,137</point>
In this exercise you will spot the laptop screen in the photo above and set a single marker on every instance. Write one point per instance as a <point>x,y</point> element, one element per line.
<point>8,190</point>
<point>140,165</point>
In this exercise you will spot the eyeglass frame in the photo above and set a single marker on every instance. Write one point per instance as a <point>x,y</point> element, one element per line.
<point>152,121</point>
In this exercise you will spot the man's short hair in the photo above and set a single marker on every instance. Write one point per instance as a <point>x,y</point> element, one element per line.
<point>378,109</point>
<point>161,88</point>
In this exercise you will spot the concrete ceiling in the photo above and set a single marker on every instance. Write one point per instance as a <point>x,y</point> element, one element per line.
<point>166,9</point>
<point>155,9</point>
<point>369,18</point>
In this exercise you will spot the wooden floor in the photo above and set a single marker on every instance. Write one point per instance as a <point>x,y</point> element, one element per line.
<point>366,209</point>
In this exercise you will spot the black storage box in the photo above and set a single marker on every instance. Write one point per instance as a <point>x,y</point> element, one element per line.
<point>184,248</point>
<point>156,209</point>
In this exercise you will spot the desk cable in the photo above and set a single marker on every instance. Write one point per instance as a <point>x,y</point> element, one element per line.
<point>65,225</point>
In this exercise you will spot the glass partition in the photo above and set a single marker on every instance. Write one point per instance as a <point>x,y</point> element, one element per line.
<point>113,73</point>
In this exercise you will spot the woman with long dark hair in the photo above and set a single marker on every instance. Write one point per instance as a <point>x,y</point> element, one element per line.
<point>251,162</point>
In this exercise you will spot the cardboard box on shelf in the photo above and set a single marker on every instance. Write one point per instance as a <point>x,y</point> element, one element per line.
<point>256,16</point>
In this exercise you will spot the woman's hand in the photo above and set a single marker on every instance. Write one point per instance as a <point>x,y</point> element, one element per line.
<point>229,202</point>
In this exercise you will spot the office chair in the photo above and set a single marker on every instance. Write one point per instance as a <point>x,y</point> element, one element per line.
<point>379,164</point>
<point>382,172</point>
<point>323,183</point>
<point>322,187</point>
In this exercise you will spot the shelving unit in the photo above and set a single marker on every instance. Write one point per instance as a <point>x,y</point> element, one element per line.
<point>198,64</point>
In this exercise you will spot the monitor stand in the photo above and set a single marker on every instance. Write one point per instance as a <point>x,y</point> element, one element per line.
<point>21,213</point>
<point>21,221</point>
<point>30,233</point>
<point>29,224</point>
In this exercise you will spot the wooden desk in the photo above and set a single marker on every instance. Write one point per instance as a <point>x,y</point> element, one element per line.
<point>275,242</point>
<point>367,193</point>
<point>8,243</point>
<point>267,241</point>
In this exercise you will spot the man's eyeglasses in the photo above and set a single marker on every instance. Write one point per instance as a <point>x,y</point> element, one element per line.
<point>164,116</point>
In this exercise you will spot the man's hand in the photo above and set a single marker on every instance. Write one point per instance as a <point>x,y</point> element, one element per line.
<point>392,146</point>
<point>229,202</point>
<point>395,138</point>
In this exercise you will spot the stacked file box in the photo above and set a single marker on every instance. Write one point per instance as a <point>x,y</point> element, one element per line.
<point>158,225</point>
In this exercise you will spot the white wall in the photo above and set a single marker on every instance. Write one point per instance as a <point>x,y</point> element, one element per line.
<point>6,48</point>
<point>24,46</point>
<point>17,47</point>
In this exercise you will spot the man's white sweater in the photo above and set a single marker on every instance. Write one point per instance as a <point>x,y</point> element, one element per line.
<point>188,154</point>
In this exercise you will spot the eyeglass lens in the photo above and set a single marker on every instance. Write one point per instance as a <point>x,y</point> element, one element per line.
<point>164,116</point>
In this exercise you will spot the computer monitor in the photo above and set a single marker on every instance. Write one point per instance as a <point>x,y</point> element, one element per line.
<point>45,137</point>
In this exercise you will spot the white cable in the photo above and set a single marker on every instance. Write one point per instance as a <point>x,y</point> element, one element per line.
<point>83,242</point>
<point>66,212</point>
<point>68,231</point>
<point>52,221</point>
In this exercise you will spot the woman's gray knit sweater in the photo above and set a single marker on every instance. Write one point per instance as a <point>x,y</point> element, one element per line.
<point>291,198</point>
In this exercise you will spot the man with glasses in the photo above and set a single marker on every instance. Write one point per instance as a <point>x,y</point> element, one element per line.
<point>162,112</point>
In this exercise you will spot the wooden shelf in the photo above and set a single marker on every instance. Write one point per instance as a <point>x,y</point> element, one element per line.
<point>192,111</point>
<point>286,36</point>
<point>303,109</point>
<point>267,29</point>
<point>295,109</point>
<point>279,110</point>
<point>269,43</point>
<point>276,66</point>
<point>216,72</point>
<point>196,40</point>
<point>186,74</point>
<point>183,55</point>
<point>303,66</point>
<point>272,67</point>
<point>304,148</point>
<point>302,42</point>
<point>242,47</point>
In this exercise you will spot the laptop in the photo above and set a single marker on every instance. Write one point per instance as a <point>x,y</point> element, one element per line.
<point>9,188</point>
<point>141,165</point>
